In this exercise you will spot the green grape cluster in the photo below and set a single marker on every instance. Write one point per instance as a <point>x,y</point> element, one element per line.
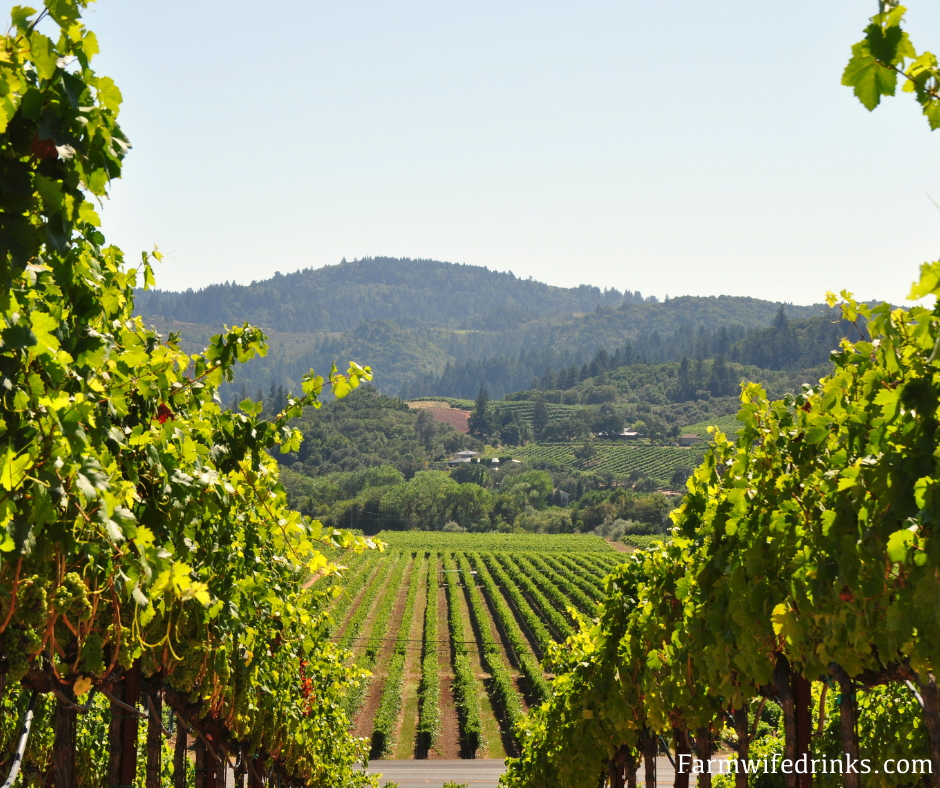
<point>185,671</point>
<point>127,650</point>
<point>70,599</point>
<point>23,638</point>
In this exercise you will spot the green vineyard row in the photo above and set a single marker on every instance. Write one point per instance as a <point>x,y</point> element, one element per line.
<point>425,541</point>
<point>383,732</point>
<point>429,720</point>
<point>655,462</point>
<point>525,592</point>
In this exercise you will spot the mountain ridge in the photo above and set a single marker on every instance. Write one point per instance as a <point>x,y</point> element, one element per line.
<point>411,292</point>
<point>410,319</point>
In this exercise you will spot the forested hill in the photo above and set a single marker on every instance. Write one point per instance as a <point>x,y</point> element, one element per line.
<point>424,325</point>
<point>426,292</point>
<point>339,297</point>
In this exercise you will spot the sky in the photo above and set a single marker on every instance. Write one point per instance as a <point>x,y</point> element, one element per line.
<point>674,148</point>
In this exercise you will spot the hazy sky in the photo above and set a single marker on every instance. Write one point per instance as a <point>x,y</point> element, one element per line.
<point>675,147</point>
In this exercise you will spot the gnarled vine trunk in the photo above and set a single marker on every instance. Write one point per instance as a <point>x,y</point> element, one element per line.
<point>115,740</point>
<point>630,766</point>
<point>179,754</point>
<point>803,700</point>
<point>63,745</point>
<point>254,775</point>
<point>931,695</point>
<point>650,751</point>
<point>154,740</point>
<point>202,758</point>
<point>122,730</point>
<point>741,728</point>
<point>619,767</point>
<point>783,682</point>
<point>848,711</point>
<point>703,751</point>
<point>680,740</point>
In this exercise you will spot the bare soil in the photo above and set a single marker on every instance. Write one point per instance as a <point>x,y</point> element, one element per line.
<point>341,630</point>
<point>365,718</point>
<point>620,547</point>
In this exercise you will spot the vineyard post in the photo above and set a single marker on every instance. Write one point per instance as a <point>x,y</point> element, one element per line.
<point>847,720</point>
<point>680,738</point>
<point>803,698</point>
<point>179,754</point>
<point>744,745</point>
<point>63,747</point>
<point>131,695</point>
<point>783,680</point>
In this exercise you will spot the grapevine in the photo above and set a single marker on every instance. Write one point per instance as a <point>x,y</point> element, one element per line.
<point>429,722</point>
<point>505,691</point>
<point>527,662</point>
<point>465,682</point>
<point>146,542</point>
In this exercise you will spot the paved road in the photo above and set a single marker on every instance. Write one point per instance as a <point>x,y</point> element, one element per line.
<point>433,774</point>
<point>476,774</point>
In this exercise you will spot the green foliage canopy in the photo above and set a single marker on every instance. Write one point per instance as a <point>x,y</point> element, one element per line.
<point>138,519</point>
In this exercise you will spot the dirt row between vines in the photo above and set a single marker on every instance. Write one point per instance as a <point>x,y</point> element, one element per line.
<point>366,716</point>
<point>498,736</point>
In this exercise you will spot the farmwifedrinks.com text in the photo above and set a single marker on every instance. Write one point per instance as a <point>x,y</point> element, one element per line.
<point>803,765</point>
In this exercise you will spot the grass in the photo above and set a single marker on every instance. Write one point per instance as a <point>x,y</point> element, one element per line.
<point>409,723</point>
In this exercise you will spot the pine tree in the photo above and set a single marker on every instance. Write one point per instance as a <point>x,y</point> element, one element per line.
<point>539,417</point>
<point>477,422</point>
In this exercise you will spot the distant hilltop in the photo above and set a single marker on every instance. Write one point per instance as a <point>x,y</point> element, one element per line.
<point>419,323</point>
<point>339,297</point>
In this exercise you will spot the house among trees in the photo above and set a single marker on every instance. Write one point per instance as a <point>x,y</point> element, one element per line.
<point>462,456</point>
<point>689,440</point>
